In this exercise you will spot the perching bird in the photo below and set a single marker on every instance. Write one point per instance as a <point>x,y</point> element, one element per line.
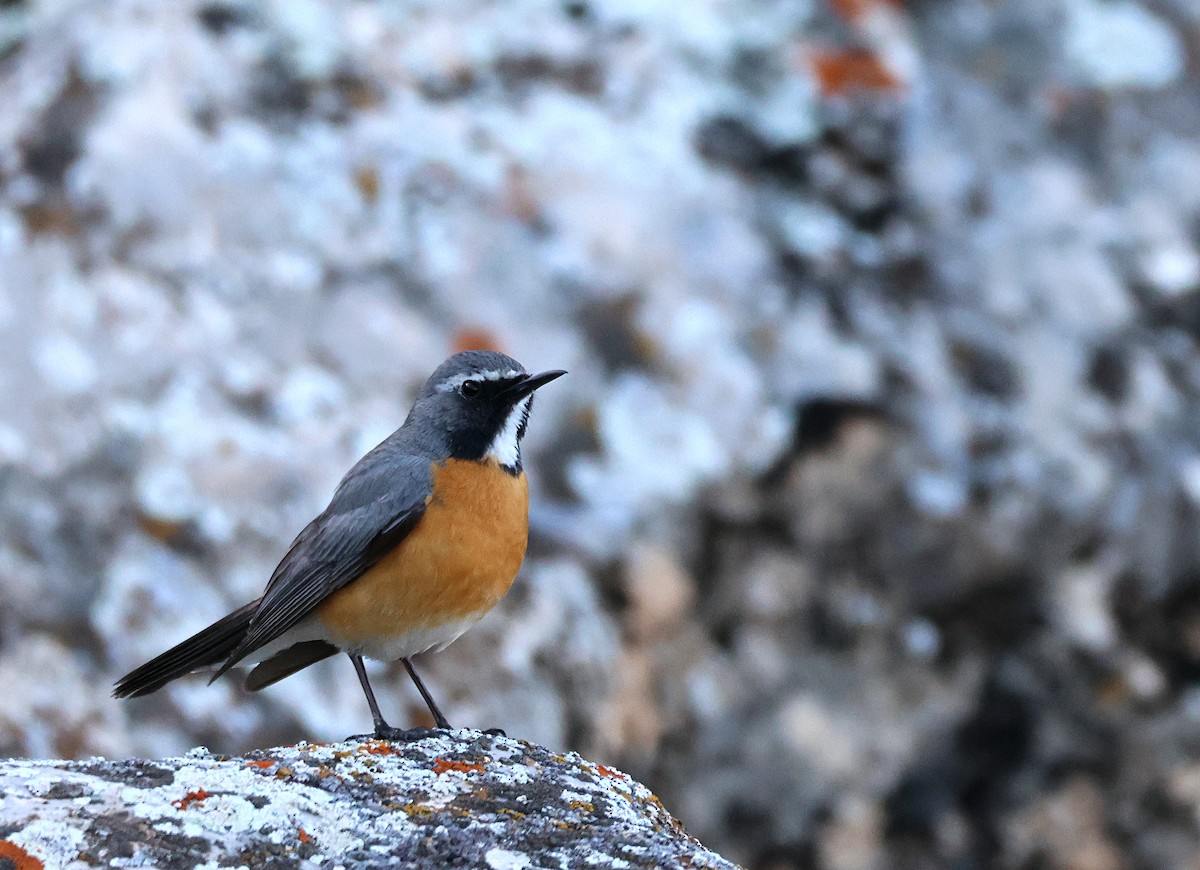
<point>424,535</point>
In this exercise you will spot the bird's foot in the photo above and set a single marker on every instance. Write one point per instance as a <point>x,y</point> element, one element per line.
<point>394,735</point>
<point>403,735</point>
<point>495,732</point>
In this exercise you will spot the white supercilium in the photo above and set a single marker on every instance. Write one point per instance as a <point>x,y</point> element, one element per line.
<point>487,375</point>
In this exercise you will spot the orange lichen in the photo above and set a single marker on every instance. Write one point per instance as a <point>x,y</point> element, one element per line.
<point>582,805</point>
<point>18,858</point>
<point>161,529</point>
<point>366,179</point>
<point>441,765</point>
<point>198,796</point>
<point>853,10</point>
<point>840,71</point>
<point>475,338</point>
<point>261,764</point>
<point>303,835</point>
<point>45,219</point>
<point>608,771</point>
<point>378,747</point>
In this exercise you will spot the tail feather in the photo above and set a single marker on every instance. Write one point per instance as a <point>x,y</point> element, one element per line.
<point>204,649</point>
<point>285,663</point>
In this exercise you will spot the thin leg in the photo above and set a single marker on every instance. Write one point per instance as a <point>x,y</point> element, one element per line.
<point>383,731</point>
<point>438,719</point>
<point>380,724</point>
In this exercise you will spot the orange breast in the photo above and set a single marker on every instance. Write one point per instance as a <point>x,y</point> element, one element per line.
<point>455,565</point>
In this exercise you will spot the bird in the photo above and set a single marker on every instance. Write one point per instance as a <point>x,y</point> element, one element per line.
<point>423,536</point>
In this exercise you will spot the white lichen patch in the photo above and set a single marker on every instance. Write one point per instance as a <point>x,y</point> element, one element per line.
<point>47,840</point>
<point>503,859</point>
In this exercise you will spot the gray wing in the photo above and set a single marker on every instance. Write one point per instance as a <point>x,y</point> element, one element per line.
<point>375,506</point>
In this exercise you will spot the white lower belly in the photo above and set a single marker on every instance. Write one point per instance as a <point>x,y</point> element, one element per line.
<point>389,649</point>
<point>431,639</point>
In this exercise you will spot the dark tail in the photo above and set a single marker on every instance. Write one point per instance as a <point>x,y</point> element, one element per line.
<point>205,649</point>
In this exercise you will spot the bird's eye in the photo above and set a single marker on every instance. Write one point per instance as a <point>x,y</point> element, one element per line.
<point>469,389</point>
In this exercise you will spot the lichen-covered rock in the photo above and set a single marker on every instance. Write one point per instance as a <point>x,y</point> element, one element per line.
<point>463,799</point>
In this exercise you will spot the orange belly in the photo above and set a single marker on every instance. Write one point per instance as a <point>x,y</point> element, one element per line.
<point>450,570</point>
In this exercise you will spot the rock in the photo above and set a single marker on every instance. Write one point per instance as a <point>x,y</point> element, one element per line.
<point>659,589</point>
<point>53,706</point>
<point>463,798</point>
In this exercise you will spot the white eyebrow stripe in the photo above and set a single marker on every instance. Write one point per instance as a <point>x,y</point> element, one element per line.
<point>489,375</point>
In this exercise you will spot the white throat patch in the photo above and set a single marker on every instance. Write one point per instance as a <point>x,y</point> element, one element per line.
<point>506,446</point>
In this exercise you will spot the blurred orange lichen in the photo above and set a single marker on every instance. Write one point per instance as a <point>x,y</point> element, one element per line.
<point>51,219</point>
<point>13,855</point>
<point>366,179</point>
<point>261,764</point>
<point>303,835</point>
<point>856,9</point>
<point>841,70</point>
<point>192,797</point>
<point>441,765</point>
<point>160,529</point>
<point>475,338</point>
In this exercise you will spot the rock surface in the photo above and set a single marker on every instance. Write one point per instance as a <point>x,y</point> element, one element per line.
<point>462,799</point>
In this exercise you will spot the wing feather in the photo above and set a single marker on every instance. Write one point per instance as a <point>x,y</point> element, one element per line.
<point>374,508</point>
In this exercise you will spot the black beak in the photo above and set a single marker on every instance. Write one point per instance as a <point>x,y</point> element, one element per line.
<point>523,387</point>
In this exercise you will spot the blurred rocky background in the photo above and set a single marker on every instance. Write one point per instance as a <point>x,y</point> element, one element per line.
<point>865,526</point>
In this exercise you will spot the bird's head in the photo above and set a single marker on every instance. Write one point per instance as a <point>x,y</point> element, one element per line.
<point>476,404</point>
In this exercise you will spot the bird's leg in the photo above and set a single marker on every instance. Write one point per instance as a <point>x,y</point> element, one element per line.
<point>361,670</point>
<point>438,719</point>
<point>383,731</point>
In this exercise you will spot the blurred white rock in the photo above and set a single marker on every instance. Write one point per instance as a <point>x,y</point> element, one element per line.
<point>1122,44</point>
